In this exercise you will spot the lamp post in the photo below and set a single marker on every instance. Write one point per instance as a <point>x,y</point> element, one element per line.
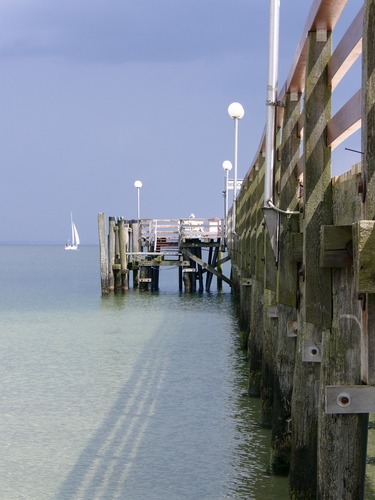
<point>138,185</point>
<point>236,112</point>
<point>227,166</point>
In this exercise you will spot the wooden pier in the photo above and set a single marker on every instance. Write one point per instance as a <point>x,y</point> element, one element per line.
<point>141,247</point>
<point>303,266</point>
<point>302,263</point>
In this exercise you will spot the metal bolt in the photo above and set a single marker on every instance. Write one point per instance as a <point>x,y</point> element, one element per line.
<point>343,399</point>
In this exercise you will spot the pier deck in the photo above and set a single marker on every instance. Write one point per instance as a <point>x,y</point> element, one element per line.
<point>142,246</point>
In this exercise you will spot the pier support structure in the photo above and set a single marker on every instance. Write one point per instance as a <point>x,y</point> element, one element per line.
<point>144,246</point>
<point>303,268</point>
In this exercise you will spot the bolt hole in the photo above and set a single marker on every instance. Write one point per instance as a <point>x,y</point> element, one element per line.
<point>314,351</point>
<point>343,400</point>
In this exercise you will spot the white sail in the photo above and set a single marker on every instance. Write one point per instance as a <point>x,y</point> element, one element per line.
<point>76,235</point>
<point>73,244</point>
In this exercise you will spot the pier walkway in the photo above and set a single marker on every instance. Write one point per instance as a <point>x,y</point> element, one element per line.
<point>193,245</point>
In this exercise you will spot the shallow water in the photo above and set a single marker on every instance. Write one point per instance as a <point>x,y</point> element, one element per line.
<point>136,396</point>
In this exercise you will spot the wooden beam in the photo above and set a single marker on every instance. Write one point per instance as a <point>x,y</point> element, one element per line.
<point>207,266</point>
<point>347,51</point>
<point>323,15</point>
<point>345,122</point>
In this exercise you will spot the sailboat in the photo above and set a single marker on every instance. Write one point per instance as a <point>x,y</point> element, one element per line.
<point>73,244</point>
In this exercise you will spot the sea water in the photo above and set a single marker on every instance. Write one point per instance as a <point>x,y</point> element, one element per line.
<point>139,395</point>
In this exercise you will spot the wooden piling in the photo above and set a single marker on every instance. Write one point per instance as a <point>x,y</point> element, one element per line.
<point>315,311</point>
<point>111,252</point>
<point>255,343</point>
<point>103,254</point>
<point>124,250</point>
<point>313,335</point>
<point>340,435</point>
<point>368,178</point>
<point>135,250</point>
<point>286,291</point>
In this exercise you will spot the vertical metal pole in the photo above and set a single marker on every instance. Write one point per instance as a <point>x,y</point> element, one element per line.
<point>271,98</point>
<point>226,205</point>
<point>235,173</point>
<point>139,204</point>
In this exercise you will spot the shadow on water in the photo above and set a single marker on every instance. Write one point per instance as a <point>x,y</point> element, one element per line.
<point>103,466</point>
<point>130,448</point>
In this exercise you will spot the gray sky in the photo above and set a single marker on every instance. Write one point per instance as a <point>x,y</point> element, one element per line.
<point>98,93</point>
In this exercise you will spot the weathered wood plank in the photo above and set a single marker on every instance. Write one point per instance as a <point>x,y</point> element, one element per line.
<point>345,122</point>
<point>364,251</point>
<point>336,246</point>
<point>103,254</point>
<point>317,184</point>
<point>368,147</point>
<point>323,15</point>
<point>111,252</point>
<point>347,51</point>
<point>207,266</point>
<point>316,285</point>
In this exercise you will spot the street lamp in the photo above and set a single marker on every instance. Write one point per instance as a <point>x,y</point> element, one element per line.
<point>138,185</point>
<point>227,166</point>
<point>236,112</point>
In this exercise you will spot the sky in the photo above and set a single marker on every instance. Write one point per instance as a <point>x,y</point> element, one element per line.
<point>96,94</point>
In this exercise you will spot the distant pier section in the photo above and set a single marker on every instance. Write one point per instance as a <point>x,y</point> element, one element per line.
<point>140,247</point>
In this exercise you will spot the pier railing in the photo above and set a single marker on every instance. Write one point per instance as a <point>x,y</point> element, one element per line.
<point>168,235</point>
<point>204,229</point>
<point>303,265</point>
<point>143,246</point>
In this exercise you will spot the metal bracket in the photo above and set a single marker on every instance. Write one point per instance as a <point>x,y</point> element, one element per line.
<point>272,312</point>
<point>312,352</point>
<point>292,329</point>
<point>349,399</point>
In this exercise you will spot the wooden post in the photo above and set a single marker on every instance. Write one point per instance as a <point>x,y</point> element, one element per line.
<point>245,282</point>
<point>187,282</point>
<point>103,254</point>
<point>111,253</point>
<point>155,278</point>
<point>255,344</point>
<point>286,291</point>
<point>209,275</point>
<point>219,268</point>
<point>368,177</point>
<point>144,274</point>
<point>124,249</point>
<point>117,266</point>
<point>316,297</point>
<point>180,278</point>
<point>340,447</point>
<point>135,249</point>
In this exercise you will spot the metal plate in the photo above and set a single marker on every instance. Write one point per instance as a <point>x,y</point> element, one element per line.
<point>312,352</point>
<point>350,399</point>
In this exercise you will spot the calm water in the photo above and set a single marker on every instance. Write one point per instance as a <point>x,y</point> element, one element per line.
<point>138,396</point>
